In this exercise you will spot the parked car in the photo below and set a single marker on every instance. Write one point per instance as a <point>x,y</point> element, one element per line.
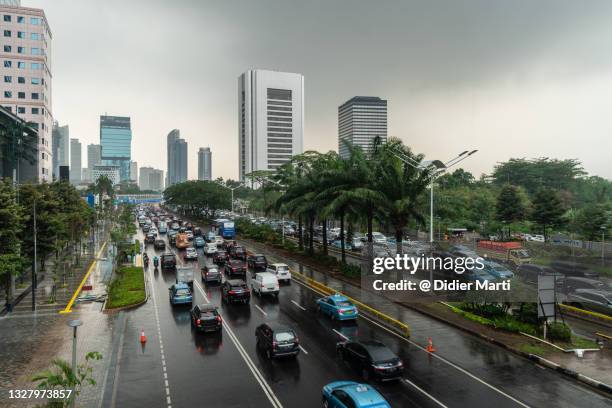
<point>206,318</point>
<point>257,262</point>
<point>344,394</point>
<point>235,267</point>
<point>220,257</point>
<point>235,290</point>
<point>497,271</point>
<point>338,244</point>
<point>572,283</point>
<point>530,272</point>
<point>277,341</point>
<point>210,273</point>
<point>478,275</point>
<point>379,238</point>
<point>337,307</point>
<point>281,271</point>
<point>159,244</point>
<point>180,294</point>
<point>191,254</point>
<point>168,261</point>
<point>595,300</point>
<point>265,283</point>
<point>199,242</point>
<point>238,252</point>
<point>372,359</point>
<point>210,248</point>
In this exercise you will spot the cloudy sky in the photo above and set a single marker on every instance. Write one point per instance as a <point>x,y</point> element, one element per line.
<point>510,78</point>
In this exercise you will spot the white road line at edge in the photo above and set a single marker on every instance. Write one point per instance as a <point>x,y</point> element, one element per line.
<point>464,371</point>
<point>261,310</point>
<point>425,392</point>
<point>340,334</point>
<point>256,373</point>
<point>298,305</point>
<point>303,349</point>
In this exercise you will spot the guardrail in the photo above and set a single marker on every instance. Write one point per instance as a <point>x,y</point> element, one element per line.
<point>586,313</point>
<point>403,328</point>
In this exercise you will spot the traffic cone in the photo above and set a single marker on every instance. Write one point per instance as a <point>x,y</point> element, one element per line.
<point>430,347</point>
<point>143,338</point>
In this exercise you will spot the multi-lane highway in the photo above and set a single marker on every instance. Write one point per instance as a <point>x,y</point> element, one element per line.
<point>179,368</point>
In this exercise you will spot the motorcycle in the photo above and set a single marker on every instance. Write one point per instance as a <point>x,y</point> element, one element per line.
<point>155,262</point>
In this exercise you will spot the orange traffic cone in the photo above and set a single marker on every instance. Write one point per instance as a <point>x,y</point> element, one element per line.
<point>430,347</point>
<point>143,338</point>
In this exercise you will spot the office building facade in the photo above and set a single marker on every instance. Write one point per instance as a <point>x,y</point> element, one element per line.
<point>26,80</point>
<point>60,141</point>
<point>204,164</point>
<point>94,156</point>
<point>360,120</point>
<point>151,179</point>
<point>116,143</point>
<point>177,158</point>
<point>76,167</point>
<point>134,172</point>
<point>112,172</point>
<point>270,119</point>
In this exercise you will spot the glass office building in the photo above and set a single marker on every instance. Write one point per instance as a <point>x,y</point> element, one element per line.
<point>116,142</point>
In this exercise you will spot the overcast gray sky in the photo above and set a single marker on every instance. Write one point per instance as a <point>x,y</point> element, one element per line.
<point>510,78</point>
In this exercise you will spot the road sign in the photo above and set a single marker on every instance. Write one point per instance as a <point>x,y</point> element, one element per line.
<point>546,296</point>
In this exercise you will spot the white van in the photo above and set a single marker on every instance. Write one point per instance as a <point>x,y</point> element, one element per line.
<point>281,271</point>
<point>210,248</point>
<point>265,283</point>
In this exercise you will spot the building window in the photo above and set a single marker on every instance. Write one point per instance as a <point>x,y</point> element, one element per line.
<point>36,51</point>
<point>35,36</point>
<point>21,110</point>
<point>7,48</point>
<point>8,79</point>
<point>20,34</point>
<point>20,19</point>
<point>7,33</point>
<point>8,64</point>
<point>21,64</point>
<point>21,80</point>
<point>35,95</point>
<point>8,94</point>
<point>36,65</point>
<point>20,50</point>
<point>7,18</point>
<point>35,111</point>
<point>34,20</point>
<point>21,95</point>
<point>35,81</point>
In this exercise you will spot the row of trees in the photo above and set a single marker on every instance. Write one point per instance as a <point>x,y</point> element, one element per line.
<point>62,219</point>
<point>198,197</point>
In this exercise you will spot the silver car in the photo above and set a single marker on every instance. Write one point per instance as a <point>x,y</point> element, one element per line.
<point>595,300</point>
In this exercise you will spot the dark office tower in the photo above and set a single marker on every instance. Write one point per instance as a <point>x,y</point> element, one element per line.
<point>177,158</point>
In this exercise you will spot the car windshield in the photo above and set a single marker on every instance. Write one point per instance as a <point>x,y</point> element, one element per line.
<point>239,249</point>
<point>182,291</point>
<point>260,258</point>
<point>207,313</point>
<point>344,303</point>
<point>281,268</point>
<point>284,336</point>
<point>238,287</point>
<point>380,353</point>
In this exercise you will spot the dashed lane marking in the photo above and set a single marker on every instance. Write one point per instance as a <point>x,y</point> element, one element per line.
<point>425,393</point>
<point>261,310</point>
<point>298,305</point>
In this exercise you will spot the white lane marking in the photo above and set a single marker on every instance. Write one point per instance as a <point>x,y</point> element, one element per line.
<point>464,371</point>
<point>303,349</point>
<point>340,334</point>
<point>298,305</point>
<point>425,392</point>
<point>159,336</point>
<point>256,373</point>
<point>261,310</point>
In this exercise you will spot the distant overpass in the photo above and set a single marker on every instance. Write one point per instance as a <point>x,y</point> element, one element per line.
<point>140,198</point>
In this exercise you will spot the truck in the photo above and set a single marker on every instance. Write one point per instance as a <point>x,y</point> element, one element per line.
<point>512,251</point>
<point>225,228</point>
<point>182,241</point>
<point>184,274</point>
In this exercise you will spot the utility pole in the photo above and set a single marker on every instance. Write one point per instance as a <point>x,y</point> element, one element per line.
<point>34,277</point>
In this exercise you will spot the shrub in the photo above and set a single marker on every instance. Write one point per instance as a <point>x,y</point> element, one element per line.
<point>350,271</point>
<point>559,331</point>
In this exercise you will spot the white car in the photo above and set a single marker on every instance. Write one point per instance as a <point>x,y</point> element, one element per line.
<point>218,240</point>
<point>379,238</point>
<point>265,283</point>
<point>191,253</point>
<point>210,248</point>
<point>534,238</point>
<point>281,271</point>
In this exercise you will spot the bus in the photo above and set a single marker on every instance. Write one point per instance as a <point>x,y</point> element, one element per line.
<point>225,228</point>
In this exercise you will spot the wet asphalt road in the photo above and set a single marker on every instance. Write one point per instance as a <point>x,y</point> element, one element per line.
<point>187,370</point>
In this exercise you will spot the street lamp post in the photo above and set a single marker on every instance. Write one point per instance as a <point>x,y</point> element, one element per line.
<point>232,190</point>
<point>74,324</point>
<point>34,276</point>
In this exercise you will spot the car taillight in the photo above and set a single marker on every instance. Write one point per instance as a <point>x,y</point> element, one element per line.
<point>274,344</point>
<point>218,318</point>
<point>198,322</point>
<point>297,339</point>
<point>231,292</point>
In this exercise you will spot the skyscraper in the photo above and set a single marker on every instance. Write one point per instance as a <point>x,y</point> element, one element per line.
<point>60,142</point>
<point>27,74</point>
<point>151,179</point>
<point>116,142</point>
<point>75,161</point>
<point>270,119</point>
<point>360,120</point>
<point>204,164</point>
<point>134,172</point>
<point>177,158</point>
<point>94,156</point>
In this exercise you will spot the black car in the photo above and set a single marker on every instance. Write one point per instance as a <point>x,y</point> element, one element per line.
<point>235,290</point>
<point>237,252</point>
<point>372,359</point>
<point>257,262</point>
<point>150,239</point>
<point>168,261</point>
<point>529,273</point>
<point>277,341</point>
<point>206,318</point>
<point>235,267</point>
<point>159,244</point>
<point>220,257</point>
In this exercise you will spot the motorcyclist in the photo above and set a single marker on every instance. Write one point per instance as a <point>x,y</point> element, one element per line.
<point>145,259</point>
<point>155,261</point>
